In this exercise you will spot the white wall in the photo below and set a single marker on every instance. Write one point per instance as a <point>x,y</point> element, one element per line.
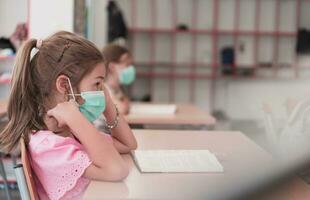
<point>305,14</point>
<point>12,12</point>
<point>48,17</point>
<point>97,23</point>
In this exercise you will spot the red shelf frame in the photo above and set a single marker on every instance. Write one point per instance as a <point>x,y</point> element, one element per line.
<point>298,11</point>
<point>210,32</point>
<point>173,52</point>
<point>179,64</point>
<point>215,33</point>
<point>169,75</point>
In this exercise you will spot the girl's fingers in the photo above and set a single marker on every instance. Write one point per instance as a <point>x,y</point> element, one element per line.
<point>72,101</point>
<point>59,124</point>
<point>50,113</point>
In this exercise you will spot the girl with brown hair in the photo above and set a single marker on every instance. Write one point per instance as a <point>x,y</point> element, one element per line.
<point>121,72</point>
<point>55,97</point>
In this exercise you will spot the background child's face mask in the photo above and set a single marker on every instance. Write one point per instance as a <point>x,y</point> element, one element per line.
<point>94,103</point>
<point>127,75</point>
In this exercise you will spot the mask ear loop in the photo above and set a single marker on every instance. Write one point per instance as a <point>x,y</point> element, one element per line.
<point>72,93</point>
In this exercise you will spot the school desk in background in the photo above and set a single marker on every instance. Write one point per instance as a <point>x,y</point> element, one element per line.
<point>164,115</point>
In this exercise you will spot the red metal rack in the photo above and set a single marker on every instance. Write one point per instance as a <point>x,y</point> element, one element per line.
<point>214,33</point>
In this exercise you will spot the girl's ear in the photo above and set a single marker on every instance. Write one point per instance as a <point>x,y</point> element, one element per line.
<point>62,84</point>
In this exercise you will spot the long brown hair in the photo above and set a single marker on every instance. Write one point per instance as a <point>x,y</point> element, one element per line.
<point>33,80</point>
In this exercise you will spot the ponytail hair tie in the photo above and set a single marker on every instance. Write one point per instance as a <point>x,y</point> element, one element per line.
<point>39,43</point>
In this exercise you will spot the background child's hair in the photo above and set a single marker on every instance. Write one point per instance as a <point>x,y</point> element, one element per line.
<point>33,81</point>
<point>114,52</point>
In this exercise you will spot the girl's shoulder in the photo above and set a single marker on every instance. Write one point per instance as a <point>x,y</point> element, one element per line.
<point>59,163</point>
<point>45,139</point>
<point>48,139</point>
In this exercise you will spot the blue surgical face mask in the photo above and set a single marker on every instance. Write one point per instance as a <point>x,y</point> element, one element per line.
<point>127,75</point>
<point>94,103</point>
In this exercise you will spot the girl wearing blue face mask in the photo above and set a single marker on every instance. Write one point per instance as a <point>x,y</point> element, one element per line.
<point>121,74</point>
<point>56,96</point>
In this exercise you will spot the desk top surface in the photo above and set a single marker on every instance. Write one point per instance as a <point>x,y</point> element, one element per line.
<point>186,114</point>
<point>238,155</point>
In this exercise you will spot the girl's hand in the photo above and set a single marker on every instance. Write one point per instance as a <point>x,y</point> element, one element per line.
<point>107,94</point>
<point>109,101</point>
<point>64,111</point>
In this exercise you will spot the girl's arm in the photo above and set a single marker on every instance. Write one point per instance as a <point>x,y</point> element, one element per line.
<point>123,104</point>
<point>122,135</point>
<point>107,164</point>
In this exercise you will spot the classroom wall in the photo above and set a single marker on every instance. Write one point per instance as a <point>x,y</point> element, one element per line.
<point>10,15</point>
<point>243,98</point>
<point>239,98</point>
<point>47,17</point>
<point>97,22</point>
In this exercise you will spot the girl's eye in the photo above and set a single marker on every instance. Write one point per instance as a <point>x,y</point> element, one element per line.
<point>98,85</point>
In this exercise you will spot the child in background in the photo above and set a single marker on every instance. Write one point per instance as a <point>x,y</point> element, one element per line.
<point>55,97</point>
<point>291,130</point>
<point>121,73</point>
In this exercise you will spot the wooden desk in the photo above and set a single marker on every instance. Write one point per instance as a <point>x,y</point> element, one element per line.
<point>238,155</point>
<point>186,114</point>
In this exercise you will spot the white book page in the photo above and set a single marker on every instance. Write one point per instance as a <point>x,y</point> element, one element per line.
<point>177,161</point>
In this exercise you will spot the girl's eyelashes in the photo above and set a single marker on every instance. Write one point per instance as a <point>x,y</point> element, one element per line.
<point>98,85</point>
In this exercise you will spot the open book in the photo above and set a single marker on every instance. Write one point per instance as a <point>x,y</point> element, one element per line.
<point>176,161</point>
<point>153,109</point>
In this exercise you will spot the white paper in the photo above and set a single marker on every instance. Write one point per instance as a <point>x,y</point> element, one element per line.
<point>177,161</point>
<point>153,109</point>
